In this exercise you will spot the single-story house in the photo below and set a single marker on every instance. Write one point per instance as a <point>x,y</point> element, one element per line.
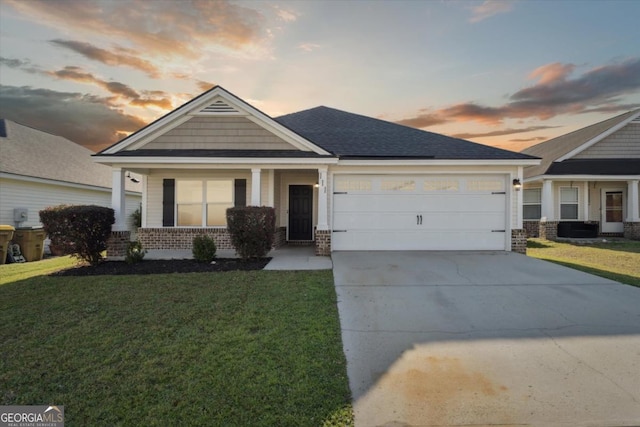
<point>587,182</point>
<point>38,170</point>
<point>339,180</point>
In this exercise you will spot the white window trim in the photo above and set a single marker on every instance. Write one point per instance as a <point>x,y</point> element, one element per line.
<point>532,204</point>
<point>579,198</point>
<point>204,203</point>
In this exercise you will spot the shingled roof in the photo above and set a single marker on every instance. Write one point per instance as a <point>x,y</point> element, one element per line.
<point>31,152</point>
<point>349,135</point>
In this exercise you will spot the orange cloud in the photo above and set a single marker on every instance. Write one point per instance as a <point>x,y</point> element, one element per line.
<point>550,73</point>
<point>490,8</point>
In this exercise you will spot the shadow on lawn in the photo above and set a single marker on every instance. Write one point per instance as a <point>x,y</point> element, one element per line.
<point>623,278</point>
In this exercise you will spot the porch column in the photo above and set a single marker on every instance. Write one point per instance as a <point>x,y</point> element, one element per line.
<point>255,187</point>
<point>143,202</point>
<point>547,201</point>
<point>633,210</point>
<point>322,199</point>
<point>585,201</point>
<point>272,189</point>
<point>118,199</point>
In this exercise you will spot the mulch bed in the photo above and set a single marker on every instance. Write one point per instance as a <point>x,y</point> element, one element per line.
<point>164,267</point>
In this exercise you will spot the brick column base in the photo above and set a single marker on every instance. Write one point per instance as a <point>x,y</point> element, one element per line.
<point>548,230</point>
<point>632,230</point>
<point>323,242</point>
<point>280,237</point>
<point>532,228</point>
<point>118,243</point>
<point>519,241</point>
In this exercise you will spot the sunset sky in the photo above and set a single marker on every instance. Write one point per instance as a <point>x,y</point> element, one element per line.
<point>504,73</point>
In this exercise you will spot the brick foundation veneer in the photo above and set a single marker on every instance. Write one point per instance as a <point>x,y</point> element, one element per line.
<point>548,230</point>
<point>280,238</point>
<point>532,228</point>
<point>181,238</point>
<point>632,230</point>
<point>323,242</point>
<point>118,243</point>
<point>519,241</point>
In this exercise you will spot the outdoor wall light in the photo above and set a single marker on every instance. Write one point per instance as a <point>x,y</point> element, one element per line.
<point>517,185</point>
<point>136,180</point>
<point>317,185</point>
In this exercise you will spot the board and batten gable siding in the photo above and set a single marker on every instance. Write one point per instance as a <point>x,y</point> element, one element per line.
<point>624,143</point>
<point>155,189</point>
<point>37,196</point>
<point>219,133</point>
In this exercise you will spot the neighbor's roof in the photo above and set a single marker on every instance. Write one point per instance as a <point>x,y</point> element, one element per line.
<point>33,153</point>
<point>349,135</point>
<point>555,148</point>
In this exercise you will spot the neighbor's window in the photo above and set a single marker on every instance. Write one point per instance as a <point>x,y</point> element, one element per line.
<point>203,203</point>
<point>568,203</point>
<point>532,203</point>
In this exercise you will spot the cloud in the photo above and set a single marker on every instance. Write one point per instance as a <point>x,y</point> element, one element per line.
<point>76,74</point>
<point>84,119</point>
<point>123,57</point>
<point>24,65</point>
<point>157,28</point>
<point>597,90</point>
<point>502,132</point>
<point>286,15</point>
<point>204,86</point>
<point>532,139</point>
<point>308,47</point>
<point>490,8</point>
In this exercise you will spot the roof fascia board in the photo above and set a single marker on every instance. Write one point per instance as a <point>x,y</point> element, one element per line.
<point>37,180</point>
<point>432,162</point>
<point>582,178</point>
<point>598,138</point>
<point>194,107</point>
<point>109,160</point>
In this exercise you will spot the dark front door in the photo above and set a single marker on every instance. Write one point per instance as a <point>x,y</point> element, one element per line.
<point>300,212</point>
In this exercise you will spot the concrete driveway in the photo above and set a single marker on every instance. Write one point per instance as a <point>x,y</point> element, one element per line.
<point>486,338</point>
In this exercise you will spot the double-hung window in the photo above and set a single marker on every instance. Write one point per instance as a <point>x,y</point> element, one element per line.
<point>532,203</point>
<point>568,203</point>
<point>203,203</point>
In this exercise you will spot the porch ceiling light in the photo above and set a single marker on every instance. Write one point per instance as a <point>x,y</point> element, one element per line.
<point>517,185</point>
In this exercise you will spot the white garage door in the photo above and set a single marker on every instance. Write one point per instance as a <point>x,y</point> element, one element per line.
<point>458,212</point>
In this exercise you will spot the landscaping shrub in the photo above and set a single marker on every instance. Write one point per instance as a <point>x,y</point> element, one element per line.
<point>135,253</point>
<point>252,230</point>
<point>136,217</point>
<point>81,230</point>
<point>204,249</point>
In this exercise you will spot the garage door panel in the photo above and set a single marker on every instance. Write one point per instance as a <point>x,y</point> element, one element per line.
<point>420,212</point>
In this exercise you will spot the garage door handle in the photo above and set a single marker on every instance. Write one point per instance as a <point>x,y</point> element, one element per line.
<point>498,231</point>
<point>339,231</point>
<point>418,219</point>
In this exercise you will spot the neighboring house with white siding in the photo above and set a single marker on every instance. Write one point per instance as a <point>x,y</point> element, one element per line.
<point>38,170</point>
<point>587,182</point>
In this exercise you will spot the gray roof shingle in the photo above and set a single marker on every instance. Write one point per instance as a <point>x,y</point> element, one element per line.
<point>349,135</point>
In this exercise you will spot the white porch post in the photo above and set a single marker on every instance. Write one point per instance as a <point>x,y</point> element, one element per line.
<point>633,210</point>
<point>255,187</point>
<point>547,200</point>
<point>585,201</point>
<point>118,199</point>
<point>519,200</point>
<point>143,203</point>
<point>322,199</point>
<point>272,188</point>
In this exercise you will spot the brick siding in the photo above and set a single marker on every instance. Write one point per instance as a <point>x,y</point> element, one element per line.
<point>118,243</point>
<point>548,230</point>
<point>323,242</point>
<point>532,228</point>
<point>181,238</point>
<point>519,241</point>
<point>632,230</point>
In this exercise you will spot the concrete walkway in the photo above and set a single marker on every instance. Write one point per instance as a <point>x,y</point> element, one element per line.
<point>283,258</point>
<point>486,338</point>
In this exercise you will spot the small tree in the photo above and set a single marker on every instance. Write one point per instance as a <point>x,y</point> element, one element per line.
<point>252,230</point>
<point>83,230</point>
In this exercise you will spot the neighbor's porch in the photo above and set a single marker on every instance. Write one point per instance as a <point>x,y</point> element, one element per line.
<point>179,204</point>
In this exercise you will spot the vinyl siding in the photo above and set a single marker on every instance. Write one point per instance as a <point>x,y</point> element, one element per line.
<point>219,133</point>
<point>624,143</point>
<point>37,196</point>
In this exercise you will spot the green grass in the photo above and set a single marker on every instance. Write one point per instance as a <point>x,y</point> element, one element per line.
<point>257,348</point>
<point>615,260</point>
<point>13,272</point>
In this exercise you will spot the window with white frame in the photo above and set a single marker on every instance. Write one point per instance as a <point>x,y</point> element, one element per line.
<point>203,203</point>
<point>568,203</point>
<point>532,203</point>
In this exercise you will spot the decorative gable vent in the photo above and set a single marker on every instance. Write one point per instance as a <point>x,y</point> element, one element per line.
<point>219,107</point>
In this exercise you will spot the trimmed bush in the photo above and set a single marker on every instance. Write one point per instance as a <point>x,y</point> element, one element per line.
<point>204,249</point>
<point>82,231</point>
<point>252,230</point>
<point>135,253</point>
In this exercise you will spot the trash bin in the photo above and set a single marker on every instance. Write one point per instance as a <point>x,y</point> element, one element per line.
<point>6,233</point>
<point>31,241</point>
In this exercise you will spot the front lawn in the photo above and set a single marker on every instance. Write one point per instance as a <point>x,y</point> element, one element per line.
<point>235,349</point>
<point>613,259</point>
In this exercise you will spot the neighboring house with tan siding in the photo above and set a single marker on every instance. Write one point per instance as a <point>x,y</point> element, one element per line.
<point>38,170</point>
<point>587,182</point>
<point>338,180</point>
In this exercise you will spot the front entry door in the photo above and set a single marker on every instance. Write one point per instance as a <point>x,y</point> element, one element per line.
<point>612,211</point>
<point>300,212</point>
